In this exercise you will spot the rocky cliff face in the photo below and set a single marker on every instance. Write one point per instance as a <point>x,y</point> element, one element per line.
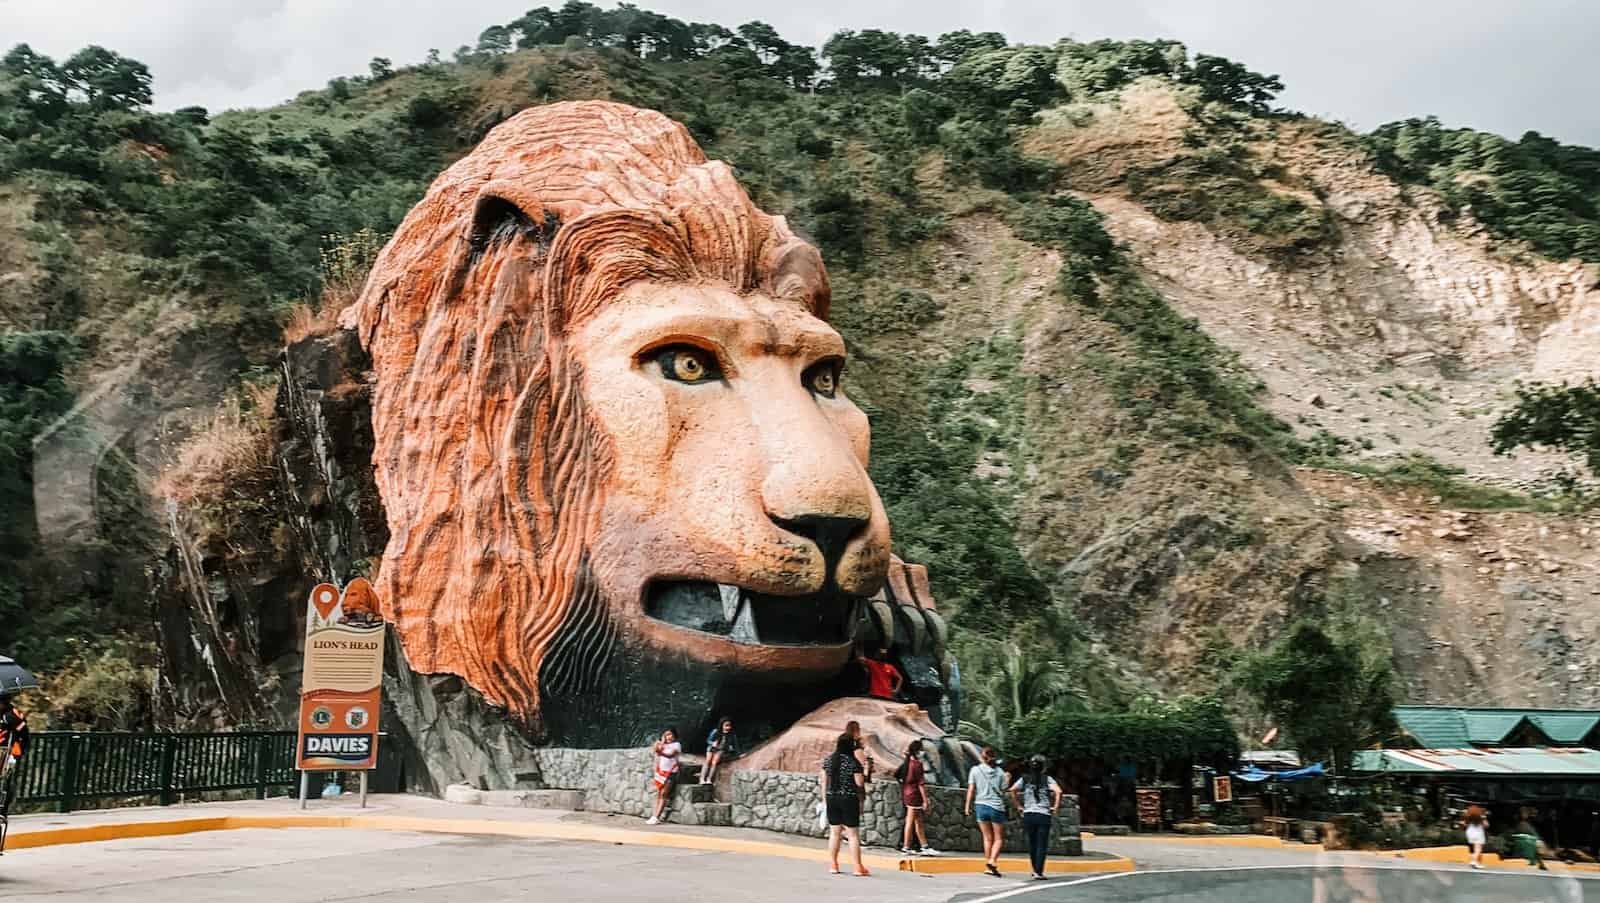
<point>229,592</point>
<point>1403,331</point>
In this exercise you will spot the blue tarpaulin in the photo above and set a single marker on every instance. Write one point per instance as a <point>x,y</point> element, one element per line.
<point>1255,775</point>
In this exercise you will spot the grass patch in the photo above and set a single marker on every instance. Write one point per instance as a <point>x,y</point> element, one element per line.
<point>1422,473</point>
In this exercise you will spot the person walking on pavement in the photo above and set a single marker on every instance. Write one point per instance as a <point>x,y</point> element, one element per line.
<point>1039,797</point>
<point>843,782</point>
<point>1477,833</point>
<point>986,784</point>
<point>913,778</point>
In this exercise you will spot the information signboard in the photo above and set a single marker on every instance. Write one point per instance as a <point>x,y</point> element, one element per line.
<point>1222,789</point>
<point>1149,801</point>
<point>342,683</point>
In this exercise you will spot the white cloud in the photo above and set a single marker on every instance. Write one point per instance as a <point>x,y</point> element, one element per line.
<point>1506,67</point>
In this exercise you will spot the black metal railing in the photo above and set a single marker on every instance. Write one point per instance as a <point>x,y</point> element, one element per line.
<point>69,768</point>
<point>72,767</point>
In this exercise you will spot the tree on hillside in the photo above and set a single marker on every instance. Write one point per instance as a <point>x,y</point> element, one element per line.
<point>1021,75</point>
<point>1562,417</point>
<point>495,39</point>
<point>1328,696</point>
<point>953,46</point>
<point>1102,67</point>
<point>874,58</point>
<point>764,40</point>
<point>1224,81</point>
<point>107,80</point>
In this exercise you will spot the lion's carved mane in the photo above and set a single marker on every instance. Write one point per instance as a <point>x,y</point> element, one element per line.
<point>490,468</point>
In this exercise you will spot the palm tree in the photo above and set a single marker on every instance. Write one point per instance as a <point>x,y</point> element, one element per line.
<point>1011,682</point>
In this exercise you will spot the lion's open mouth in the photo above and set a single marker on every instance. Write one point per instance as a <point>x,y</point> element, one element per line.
<point>754,618</point>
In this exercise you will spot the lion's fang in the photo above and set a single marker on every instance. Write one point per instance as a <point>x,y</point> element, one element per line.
<point>738,612</point>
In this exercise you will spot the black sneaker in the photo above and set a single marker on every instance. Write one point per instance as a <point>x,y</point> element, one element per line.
<point>993,871</point>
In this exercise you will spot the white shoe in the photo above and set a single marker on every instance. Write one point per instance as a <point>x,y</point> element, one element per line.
<point>1477,866</point>
<point>653,821</point>
<point>930,851</point>
<point>908,851</point>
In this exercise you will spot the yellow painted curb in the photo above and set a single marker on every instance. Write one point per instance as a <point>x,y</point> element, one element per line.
<point>46,837</point>
<point>926,865</point>
<point>1218,840</point>
<point>1458,854</point>
<point>21,840</point>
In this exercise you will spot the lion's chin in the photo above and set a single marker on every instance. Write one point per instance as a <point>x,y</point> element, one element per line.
<point>746,617</point>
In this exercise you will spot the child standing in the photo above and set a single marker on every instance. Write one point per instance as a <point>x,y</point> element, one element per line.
<point>666,750</point>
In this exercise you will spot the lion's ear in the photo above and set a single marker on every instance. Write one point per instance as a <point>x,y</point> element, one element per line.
<point>794,270</point>
<point>499,216</point>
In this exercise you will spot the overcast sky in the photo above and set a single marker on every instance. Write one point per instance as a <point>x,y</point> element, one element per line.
<point>1499,65</point>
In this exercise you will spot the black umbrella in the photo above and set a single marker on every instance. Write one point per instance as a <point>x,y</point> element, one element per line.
<point>14,677</point>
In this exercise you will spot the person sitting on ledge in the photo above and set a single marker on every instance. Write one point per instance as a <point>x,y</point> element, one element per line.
<point>666,751</point>
<point>721,744</point>
<point>884,680</point>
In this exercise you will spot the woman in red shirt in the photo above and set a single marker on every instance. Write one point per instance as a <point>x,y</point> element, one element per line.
<point>913,779</point>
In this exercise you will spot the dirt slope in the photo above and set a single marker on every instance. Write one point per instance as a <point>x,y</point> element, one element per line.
<point>1404,331</point>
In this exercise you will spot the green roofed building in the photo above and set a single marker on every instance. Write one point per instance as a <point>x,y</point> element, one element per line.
<point>1459,727</point>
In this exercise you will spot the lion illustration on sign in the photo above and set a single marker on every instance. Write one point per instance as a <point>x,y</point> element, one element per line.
<point>623,480</point>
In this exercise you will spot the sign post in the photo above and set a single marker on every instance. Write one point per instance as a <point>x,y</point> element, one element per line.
<point>341,686</point>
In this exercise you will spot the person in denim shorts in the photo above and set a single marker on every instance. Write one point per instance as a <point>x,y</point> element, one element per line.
<point>986,789</point>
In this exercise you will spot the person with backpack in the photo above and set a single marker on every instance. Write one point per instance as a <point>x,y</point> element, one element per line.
<point>1039,797</point>
<point>843,783</point>
<point>986,785</point>
<point>913,778</point>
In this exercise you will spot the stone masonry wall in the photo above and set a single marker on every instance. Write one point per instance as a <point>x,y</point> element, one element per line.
<point>787,801</point>
<point>617,780</point>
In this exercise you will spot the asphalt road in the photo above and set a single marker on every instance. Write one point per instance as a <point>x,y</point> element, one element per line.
<point>1310,883</point>
<point>302,865</point>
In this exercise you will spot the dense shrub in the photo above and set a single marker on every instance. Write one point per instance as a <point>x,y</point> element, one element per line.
<point>1193,729</point>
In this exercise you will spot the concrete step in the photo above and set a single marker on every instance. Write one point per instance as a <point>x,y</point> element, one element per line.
<point>535,799</point>
<point>525,799</point>
<point>698,793</point>
<point>713,813</point>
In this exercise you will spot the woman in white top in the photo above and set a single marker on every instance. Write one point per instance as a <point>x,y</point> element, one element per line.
<point>1477,833</point>
<point>666,751</point>
<point>1038,796</point>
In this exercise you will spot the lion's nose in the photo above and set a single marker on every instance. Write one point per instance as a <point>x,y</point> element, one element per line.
<point>831,534</point>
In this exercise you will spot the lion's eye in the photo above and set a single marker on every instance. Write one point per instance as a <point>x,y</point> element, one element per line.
<point>688,364</point>
<point>823,378</point>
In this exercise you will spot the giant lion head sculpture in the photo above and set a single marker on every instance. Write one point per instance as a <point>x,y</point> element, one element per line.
<point>623,482</point>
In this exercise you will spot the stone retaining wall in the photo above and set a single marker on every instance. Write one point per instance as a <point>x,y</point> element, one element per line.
<point>617,780</point>
<point>787,801</point>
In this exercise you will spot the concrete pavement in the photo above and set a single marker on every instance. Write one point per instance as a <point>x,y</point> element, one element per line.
<point>1372,881</point>
<point>348,864</point>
